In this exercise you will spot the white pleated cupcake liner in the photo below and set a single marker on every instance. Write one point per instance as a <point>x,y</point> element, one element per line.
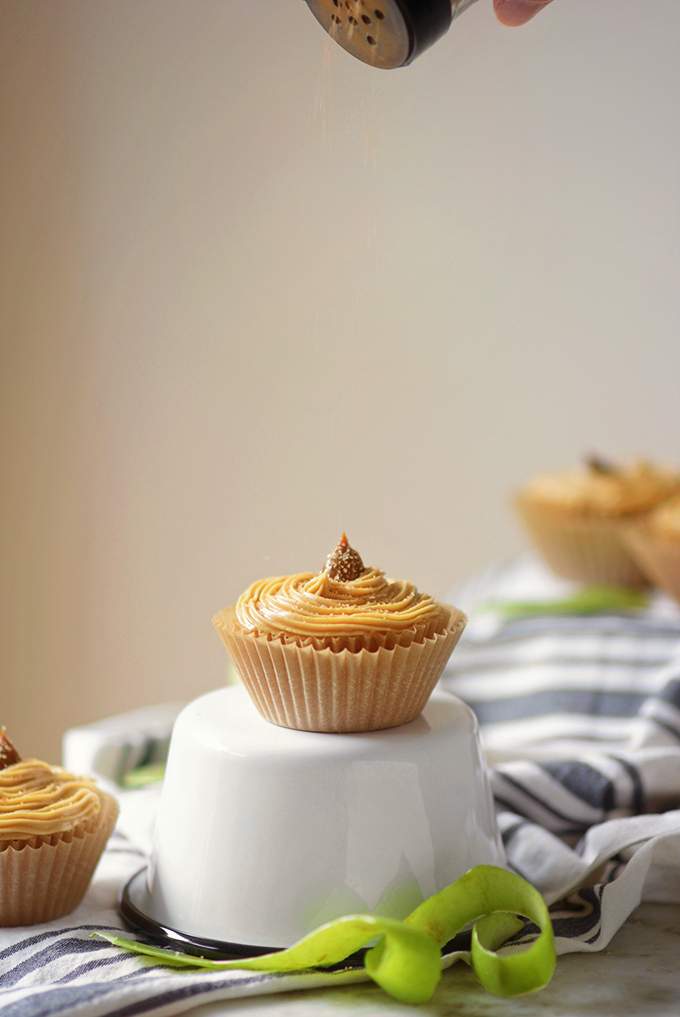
<point>313,689</point>
<point>43,878</point>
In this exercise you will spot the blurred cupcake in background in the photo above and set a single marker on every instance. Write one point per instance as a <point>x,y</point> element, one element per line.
<point>654,542</point>
<point>578,518</point>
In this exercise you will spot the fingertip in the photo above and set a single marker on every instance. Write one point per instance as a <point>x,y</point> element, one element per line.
<point>517,12</point>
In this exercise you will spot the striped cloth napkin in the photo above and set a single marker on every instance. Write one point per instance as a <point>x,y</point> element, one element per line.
<point>580,716</point>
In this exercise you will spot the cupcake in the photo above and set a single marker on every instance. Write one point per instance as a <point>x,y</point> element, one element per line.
<point>577,517</point>
<point>341,650</point>
<point>655,544</point>
<point>53,829</point>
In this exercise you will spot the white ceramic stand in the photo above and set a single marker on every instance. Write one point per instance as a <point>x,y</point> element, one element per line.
<point>265,833</point>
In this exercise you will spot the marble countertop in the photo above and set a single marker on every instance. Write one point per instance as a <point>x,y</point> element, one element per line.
<point>637,975</point>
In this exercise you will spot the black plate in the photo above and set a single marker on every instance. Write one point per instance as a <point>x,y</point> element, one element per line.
<point>135,907</point>
<point>135,911</point>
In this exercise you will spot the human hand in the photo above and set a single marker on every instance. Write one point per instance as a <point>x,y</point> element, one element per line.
<point>518,12</point>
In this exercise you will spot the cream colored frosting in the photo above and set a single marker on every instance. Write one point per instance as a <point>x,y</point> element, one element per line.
<point>37,799</point>
<point>626,491</point>
<point>314,605</point>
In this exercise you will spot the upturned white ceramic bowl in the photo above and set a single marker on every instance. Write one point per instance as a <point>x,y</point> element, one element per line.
<point>265,833</point>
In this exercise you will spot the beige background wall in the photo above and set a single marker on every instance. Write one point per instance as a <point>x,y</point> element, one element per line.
<point>255,293</point>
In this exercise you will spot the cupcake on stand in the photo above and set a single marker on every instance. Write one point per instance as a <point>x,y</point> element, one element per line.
<point>332,781</point>
<point>342,650</point>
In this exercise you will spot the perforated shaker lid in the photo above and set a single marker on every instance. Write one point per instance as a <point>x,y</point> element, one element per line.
<point>386,33</point>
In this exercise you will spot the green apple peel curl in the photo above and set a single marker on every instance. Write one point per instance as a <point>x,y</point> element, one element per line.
<point>406,960</point>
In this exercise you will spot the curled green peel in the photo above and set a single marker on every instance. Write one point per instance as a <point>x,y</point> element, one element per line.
<point>142,776</point>
<point>406,960</point>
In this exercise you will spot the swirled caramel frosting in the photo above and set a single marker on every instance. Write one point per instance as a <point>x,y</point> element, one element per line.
<point>344,599</point>
<point>37,799</point>
<point>602,489</point>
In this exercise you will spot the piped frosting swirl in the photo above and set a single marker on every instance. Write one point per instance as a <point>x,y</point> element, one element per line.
<point>37,799</point>
<point>315,605</point>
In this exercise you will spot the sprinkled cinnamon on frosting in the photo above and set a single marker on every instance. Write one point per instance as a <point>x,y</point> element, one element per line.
<point>37,799</point>
<point>344,563</point>
<point>8,754</point>
<point>316,605</point>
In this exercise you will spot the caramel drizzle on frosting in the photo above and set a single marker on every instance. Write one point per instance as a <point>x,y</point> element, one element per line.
<point>344,563</point>
<point>8,753</point>
<point>37,799</point>
<point>316,604</point>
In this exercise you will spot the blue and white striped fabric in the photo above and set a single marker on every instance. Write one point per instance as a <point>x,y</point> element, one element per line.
<point>580,716</point>
<point>581,722</point>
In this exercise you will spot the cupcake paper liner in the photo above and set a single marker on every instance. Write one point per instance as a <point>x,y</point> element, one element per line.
<point>588,550</point>
<point>43,878</point>
<point>312,689</point>
<point>658,558</point>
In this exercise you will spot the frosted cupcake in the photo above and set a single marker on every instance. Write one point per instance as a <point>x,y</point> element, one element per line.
<point>577,517</point>
<point>655,544</point>
<point>341,650</point>
<point>53,829</point>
